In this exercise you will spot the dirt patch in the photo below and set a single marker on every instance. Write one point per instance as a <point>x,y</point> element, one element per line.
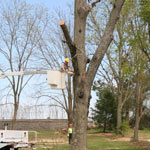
<point>142,144</point>
<point>126,139</point>
<point>112,137</point>
<point>108,135</point>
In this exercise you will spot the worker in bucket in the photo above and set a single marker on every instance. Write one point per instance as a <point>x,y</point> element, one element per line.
<point>65,66</point>
<point>70,133</point>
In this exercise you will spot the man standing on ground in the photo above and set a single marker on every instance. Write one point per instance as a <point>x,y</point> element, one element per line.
<point>70,133</point>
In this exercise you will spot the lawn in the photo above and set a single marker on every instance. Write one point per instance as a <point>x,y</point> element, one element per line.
<point>52,140</point>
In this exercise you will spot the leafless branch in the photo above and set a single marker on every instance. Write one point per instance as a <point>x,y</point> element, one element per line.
<point>69,41</point>
<point>93,5</point>
<point>65,100</point>
<point>112,68</point>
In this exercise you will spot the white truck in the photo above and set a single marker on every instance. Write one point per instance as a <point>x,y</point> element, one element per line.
<point>15,139</point>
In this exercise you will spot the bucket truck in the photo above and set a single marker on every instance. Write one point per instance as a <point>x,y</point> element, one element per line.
<point>14,139</point>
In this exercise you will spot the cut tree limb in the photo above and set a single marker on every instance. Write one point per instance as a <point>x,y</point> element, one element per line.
<point>69,42</point>
<point>67,36</point>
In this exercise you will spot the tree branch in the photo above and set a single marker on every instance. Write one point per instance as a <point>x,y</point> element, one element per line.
<point>112,68</point>
<point>65,100</point>
<point>85,8</point>
<point>69,41</point>
<point>93,5</point>
<point>105,41</point>
<point>140,43</point>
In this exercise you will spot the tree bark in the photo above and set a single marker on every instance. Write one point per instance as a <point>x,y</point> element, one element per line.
<point>70,100</point>
<point>149,31</point>
<point>127,113</point>
<point>14,115</point>
<point>119,119</point>
<point>137,117</point>
<point>104,130</point>
<point>83,78</point>
<point>83,81</point>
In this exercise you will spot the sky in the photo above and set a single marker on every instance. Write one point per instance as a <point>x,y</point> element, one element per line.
<point>51,5</point>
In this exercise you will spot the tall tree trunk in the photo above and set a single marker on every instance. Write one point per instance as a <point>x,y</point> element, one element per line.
<point>120,83</point>
<point>127,114</point>
<point>69,118</point>
<point>80,120</point>
<point>81,92</point>
<point>137,117</point>
<point>119,119</point>
<point>14,115</point>
<point>83,78</point>
<point>104,130</point>
<point>149,31</point>
<point>119,110</point>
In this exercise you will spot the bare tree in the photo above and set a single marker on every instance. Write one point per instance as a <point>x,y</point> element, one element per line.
<point>113,69</point>
<point>84,75</point>
<point>52,52</point>
<point>141,63</point>
<point>18,42</point>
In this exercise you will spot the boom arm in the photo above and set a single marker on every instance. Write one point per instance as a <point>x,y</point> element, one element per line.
<point>55,78</point>
<point>21,73</point>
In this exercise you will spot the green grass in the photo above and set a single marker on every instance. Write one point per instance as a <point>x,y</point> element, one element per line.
<point>96,141</point>
<point>94,131</point>
<point>100,143</point>
<point>46,134</point>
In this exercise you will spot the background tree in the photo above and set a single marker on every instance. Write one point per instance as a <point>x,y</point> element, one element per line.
<point>139,42</point>
<point>116,69</point>
<point>52,52</point>
<point>145,120</point>
<point>105,111</point>
<point>144,14</point>
<point>18,41</point>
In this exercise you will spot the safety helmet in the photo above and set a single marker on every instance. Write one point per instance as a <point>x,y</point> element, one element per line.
<point>67,59</point>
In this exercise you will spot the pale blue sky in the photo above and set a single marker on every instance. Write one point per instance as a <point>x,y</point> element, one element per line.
<point>51,3</point>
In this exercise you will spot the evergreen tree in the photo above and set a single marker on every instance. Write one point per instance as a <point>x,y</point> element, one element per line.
<point>105,110</point>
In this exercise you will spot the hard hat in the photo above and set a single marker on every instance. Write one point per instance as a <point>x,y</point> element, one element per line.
<point>67,59</point>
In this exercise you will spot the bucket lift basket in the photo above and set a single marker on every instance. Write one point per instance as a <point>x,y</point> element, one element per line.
<point>56,79</point>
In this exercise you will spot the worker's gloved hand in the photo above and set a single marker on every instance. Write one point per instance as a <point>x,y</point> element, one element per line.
<point>70,72</point>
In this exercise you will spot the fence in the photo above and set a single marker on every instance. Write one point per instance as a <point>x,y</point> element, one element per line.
<point>36,124</point>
